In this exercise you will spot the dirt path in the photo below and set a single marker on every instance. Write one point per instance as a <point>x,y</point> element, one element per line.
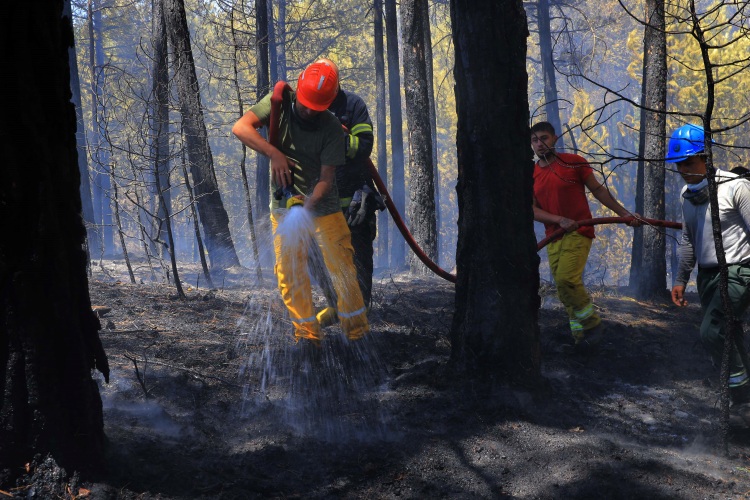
<point>235,410</point>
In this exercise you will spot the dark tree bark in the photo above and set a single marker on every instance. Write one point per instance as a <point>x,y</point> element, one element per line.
<point>398,189</point>
<point>433,122</point>
<point>49,342</point>
<point>83,165</point>
<point>551,107</point>
<point>263,86</point>
<point>210,207</point>
<point>382,153</point>
<point>160,124</point>
<point>422,187</point>
<point>243,162</point>
<point>495,330</point>
<point>653,276</point>
<point>636,254</point>
<point>281,40</point>
<point>272,46</point>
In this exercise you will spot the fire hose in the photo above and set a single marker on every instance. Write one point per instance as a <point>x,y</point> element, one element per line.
<point>273,133</point>
<point>609,220</point>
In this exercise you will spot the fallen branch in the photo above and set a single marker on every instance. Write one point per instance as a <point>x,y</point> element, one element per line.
<point>187,370</point>
<point>141,379</point>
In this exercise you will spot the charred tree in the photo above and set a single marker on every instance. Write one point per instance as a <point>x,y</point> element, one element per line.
<point>433,121</point>
<point>398,190</point>
<point>210,207</point>
<point>653,270</point>
<point>197,230</point>
<point>495,331</point>
<point>263,86</point>
<point>50,403</point>
<point>243,162</point>
<point>382,153</point>
<point>87,204</point>
<point>422,186</point>
<point>160,124</point>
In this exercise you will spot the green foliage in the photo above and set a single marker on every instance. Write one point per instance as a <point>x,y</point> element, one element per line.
<point>688,84</point>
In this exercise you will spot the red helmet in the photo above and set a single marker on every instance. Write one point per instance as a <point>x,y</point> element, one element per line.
<point>318,85</point>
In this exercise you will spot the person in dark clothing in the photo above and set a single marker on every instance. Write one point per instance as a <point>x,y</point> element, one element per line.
<point>359,198</point>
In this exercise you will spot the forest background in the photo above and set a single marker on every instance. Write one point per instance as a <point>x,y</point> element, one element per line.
<point>163,84</point>
<point>596,47</point>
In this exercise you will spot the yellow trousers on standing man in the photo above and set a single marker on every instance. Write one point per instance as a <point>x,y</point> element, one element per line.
<point>332,235</point>
<point>567,260</point>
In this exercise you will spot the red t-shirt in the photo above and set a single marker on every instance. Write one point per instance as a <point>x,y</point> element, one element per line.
<point>559,189</point>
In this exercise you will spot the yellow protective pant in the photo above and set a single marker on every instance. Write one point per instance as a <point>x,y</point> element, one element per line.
<point>331,234</point>
<point>567,260</point>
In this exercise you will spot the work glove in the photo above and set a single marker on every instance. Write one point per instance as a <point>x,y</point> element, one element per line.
<point>364,202</point>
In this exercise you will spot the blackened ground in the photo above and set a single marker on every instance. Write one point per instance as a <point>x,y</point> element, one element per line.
<point>223,406</point>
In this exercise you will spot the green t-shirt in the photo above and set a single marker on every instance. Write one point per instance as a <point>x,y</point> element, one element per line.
<point>309,145</point>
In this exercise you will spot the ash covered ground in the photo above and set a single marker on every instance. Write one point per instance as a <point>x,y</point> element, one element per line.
<point>210,398</point>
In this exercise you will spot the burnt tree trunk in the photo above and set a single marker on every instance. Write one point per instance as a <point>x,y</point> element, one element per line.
<point>653,272</point>
<point>382,153</point>
<point>210,207</point>
<point>495,331</point>
<point>160,125</point>
<point>398,189</point>
<point>433,122</point>
<point>50,403</point>
<point>263,86</point>
<point>243,162</point>
<point>83,164</point>
<point>421,187</point>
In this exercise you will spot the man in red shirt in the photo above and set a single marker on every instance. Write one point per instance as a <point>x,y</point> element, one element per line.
<point>560,182</point>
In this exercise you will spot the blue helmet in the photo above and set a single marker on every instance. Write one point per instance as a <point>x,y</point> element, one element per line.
<point>685,141</point>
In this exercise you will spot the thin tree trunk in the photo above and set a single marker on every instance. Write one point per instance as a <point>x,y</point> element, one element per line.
<point>281,39</point>
<point>551,107</point>
<point>196,228</point>
<point>636,255</point>
<point>102,154</point>
<point>140,213</point>
<point>398,190</point>
<point>99,196</point>
<point>653,276</point>
<point>170,234</point>
<point>263,86</point>
<point>160,120</point>
<point>83,165</point>
<point>210,207</point>
<point>383,244</point>
<point>495,330</point>
<point>50,404</point>
<point>243,161</point>
<point>734,325</point>
<point>433,123</point>
<point>272,47</point>
<point>422,187</point>
<point>118,223</point>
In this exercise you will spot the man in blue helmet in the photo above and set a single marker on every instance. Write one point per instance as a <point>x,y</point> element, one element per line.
<point>686,149</point>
